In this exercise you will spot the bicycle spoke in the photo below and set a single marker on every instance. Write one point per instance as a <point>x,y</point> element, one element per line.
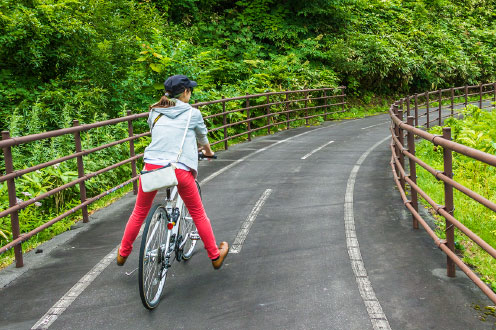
<point>149,270</point>
<point>149,287</point>
<point>188,231</point>
<point>153,248</point>
<point>149,241</point>
<point>149,275</point>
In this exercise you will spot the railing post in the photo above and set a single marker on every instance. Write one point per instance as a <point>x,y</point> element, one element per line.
<point>427,110</point>
<point>287,108</point>
<point>480,96</point>
<point>416,110</point>
<point>131,152</point>
<point>14,216</point>
<point>342,99</point>
<point>413,170</point>
<point>400,150</point>
<point>306,106</point>
<point>452,101</point>
<point>440,107</point>
<point>397,134</point>
<point>395,109</point>
<point>408,106</point>
<point>224,121</point>
<point>448,201</point>
<point>80,165</point>
<point>268,115</point>
<point>248,117</point>
<point>494,95</point>
<point>325,105</point>
<point>466,96</point>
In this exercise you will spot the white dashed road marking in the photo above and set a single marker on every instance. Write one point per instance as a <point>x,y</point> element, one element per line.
<point>222,170</point>
<point>375,125</point>
<point>71,295</point>
<point>245,227</point>
<point>314,151</point>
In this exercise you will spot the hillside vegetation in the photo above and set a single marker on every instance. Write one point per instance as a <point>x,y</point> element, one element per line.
<point>89,59</point>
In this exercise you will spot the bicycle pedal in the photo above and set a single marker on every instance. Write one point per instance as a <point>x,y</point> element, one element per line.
<point>194,236</point>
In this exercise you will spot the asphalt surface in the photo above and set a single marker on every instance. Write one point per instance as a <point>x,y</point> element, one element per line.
<point>293,271</point>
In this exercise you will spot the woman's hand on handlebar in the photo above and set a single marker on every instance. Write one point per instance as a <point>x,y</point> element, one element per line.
<point>206,152</point>
<point>202,155</point>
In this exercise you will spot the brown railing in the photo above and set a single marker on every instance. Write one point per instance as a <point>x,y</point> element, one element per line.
<point>279,109</point>
<point>439,104</point>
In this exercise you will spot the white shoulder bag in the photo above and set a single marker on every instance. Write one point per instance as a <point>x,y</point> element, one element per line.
<point>163,177</point>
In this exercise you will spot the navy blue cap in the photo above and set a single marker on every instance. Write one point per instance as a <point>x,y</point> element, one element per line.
<point>175,85</point>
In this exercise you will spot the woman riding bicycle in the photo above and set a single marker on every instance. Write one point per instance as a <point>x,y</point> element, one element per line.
<point>168,118</point>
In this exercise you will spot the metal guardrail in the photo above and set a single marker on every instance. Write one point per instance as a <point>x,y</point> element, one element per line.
<point>398,129</point>
<point>259,111</point>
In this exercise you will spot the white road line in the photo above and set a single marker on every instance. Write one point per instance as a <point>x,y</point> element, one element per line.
<point>314,151</point>
<point>375,125</point>
<point>64,302</point>
<point>245,227</point>
<point>374,309</point>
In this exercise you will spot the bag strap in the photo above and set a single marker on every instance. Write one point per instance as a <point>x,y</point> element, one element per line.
<point>184,136</point>
<point>155,120</point>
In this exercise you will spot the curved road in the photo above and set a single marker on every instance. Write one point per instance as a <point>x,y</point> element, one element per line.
<point>329,246</point>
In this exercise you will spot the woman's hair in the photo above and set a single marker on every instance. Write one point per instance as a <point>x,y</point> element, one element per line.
<point>165,102</point>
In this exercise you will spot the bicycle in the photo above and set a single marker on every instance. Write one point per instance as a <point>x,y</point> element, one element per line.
<point>169,234</point>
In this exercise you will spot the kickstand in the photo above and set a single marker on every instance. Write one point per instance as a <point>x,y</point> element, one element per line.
<point>131,272</point>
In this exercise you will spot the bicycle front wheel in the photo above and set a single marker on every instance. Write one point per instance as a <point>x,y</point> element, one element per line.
<point>152,262</point>
<point>188,231</point>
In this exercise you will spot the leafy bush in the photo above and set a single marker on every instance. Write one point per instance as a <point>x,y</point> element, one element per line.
<point>477,130</point>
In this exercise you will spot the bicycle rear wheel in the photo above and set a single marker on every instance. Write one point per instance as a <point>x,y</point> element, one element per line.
<point>152,263</point>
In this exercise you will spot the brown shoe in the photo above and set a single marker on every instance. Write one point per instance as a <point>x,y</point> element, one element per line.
<point>224,250</point>
<point>120,259</point>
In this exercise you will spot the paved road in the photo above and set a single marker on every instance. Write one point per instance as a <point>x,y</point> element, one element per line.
<point>294,270</point>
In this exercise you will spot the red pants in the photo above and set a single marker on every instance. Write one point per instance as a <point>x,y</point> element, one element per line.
<point>191,197</point>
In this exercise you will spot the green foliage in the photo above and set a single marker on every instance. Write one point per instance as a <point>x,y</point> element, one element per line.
<point>87,58</point>
<point>67,55</point>
<point>376,45</point>
<point>476,130</point>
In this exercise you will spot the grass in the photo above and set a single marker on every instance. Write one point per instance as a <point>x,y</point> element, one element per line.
<point>477,130</point>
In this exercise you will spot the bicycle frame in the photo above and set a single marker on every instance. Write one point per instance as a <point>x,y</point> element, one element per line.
<point>170,228</point>
<point>173,225</point>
